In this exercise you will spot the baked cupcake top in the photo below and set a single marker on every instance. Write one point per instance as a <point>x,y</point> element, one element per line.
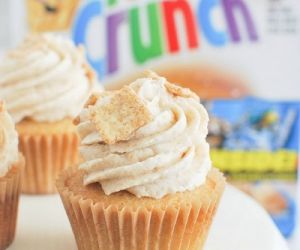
<point>45,79</point>
<point>148,138</point>
<point>8,141</point>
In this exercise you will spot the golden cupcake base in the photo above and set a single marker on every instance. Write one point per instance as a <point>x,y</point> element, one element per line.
<point>9,201</point>
<point>48,149</point>
<point>123,221</point>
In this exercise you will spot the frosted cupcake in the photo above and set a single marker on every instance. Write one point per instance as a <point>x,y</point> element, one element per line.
<point>45,83</point>
<point>146,181</point>
<point>11,165</point>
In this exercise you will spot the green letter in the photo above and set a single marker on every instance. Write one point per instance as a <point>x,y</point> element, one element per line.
<point>112,2</point>
<point>143,51</point>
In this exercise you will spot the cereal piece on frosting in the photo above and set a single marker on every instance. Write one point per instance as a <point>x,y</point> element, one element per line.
<point>119,115</point>
<point>172,88</point>
<point>90,102</point>
<point>151,74</point>
<point>179,91</point>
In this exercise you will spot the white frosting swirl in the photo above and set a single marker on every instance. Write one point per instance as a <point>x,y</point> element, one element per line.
<point>46,79</point>
<point>8,142</point>
<point>167,155</point>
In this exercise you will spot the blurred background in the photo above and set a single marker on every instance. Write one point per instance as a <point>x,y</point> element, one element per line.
<point>241,57</point>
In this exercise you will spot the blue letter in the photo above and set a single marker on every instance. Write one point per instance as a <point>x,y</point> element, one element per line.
<point>215,37</point>
<point>89,11</point>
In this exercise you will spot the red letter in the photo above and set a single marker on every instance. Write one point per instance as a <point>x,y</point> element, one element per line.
<point>169,9</point>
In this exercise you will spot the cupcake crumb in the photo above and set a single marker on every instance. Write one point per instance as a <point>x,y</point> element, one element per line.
<point>2,107</point>
<point>76,120</point>
<point>92,100</point>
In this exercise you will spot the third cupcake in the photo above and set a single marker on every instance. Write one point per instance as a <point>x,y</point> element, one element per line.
<point>11,166</point>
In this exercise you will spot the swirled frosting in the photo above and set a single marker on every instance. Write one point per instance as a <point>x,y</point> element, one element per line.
<point>45,79</point>
<point>8,141</point>
<point>169,154</point>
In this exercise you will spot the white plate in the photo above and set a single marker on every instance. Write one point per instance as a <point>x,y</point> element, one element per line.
<point>240,224</point>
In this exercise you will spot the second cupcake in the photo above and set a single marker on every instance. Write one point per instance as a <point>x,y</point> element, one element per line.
<point>45,82</point>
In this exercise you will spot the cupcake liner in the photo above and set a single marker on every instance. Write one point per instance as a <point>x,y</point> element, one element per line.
<point>9,200</point>
<point>46,156</point>
<point>180,224</point>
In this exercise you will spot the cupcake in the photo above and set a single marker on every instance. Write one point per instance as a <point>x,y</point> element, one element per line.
<point>11,165</point>
<point>146,180</point>
<point>50,15</point>
<point>45,83</point>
